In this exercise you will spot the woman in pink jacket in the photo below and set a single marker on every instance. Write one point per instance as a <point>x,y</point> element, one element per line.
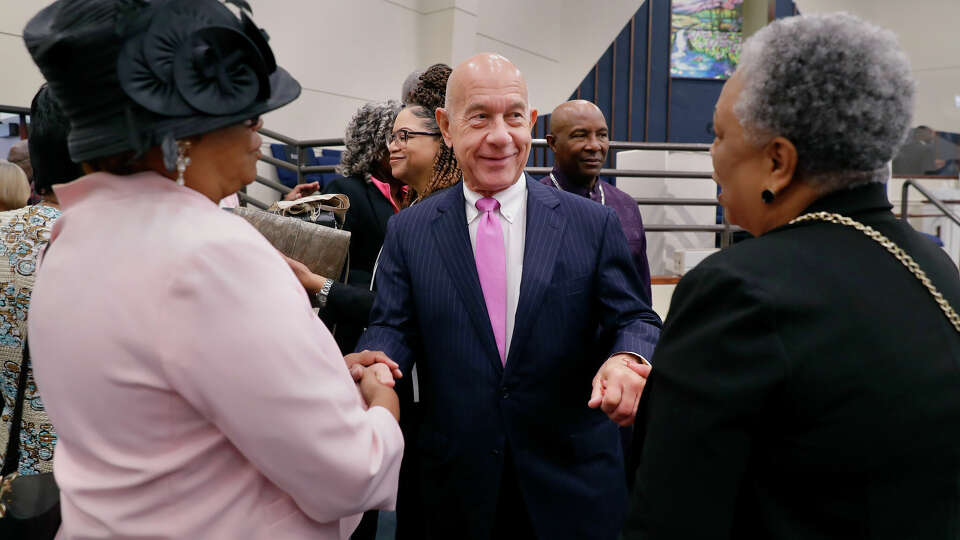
<point>195,393</point>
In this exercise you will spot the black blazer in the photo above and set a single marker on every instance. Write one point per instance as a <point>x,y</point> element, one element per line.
<point>806,386</point>
<point>367,222</point>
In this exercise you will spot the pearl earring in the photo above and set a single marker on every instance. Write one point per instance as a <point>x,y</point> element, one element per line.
<point>183,160</point>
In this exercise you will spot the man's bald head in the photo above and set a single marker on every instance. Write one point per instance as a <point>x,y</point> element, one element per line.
<point>580,140</point>
<point>487,121</point>
<point>569,112</point>
<point>19,155</point>
<point>478,67</point>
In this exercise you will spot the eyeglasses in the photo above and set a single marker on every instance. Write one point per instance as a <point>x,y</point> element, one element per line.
<point>251,122</point>
<point>401,137</point>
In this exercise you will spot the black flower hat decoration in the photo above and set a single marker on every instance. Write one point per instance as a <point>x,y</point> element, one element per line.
<point>196,57</point>
<point>134,74</point>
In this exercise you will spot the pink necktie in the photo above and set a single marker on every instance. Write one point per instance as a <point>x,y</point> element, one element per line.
<point>492,268</point>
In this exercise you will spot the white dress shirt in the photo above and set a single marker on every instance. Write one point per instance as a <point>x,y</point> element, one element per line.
<point>513,220</point>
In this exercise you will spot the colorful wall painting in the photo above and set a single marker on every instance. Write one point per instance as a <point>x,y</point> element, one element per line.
<point>705,38</point>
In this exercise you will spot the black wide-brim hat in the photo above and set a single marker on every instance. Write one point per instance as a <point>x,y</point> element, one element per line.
<point>134,74</point>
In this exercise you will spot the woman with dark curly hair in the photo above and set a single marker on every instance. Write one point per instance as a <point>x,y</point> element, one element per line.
<point>187,404</point>
<point>418,155</point>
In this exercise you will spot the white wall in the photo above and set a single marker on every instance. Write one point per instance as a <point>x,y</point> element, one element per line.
<point>348,52</point>
<point>21,77</point>
<point>928,32</point>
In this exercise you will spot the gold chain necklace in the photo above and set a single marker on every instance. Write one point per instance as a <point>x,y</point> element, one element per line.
<point>894,250</point>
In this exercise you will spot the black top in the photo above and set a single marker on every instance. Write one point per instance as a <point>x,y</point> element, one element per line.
<point>348,305</point>
<point>367,222</point>
<point>806,386</point>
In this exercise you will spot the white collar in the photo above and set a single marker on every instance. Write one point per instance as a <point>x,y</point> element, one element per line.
<point>511,200</point>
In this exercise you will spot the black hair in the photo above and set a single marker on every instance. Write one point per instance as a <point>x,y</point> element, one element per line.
<point>47,140</point>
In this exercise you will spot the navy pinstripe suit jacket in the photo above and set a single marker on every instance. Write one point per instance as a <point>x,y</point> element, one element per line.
<point>581,300</point>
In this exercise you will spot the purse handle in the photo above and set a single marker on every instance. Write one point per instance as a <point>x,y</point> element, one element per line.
<point>894,250</point>
<point>11,459</point>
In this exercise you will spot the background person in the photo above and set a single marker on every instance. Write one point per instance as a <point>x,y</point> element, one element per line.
<point>14,186</point>
<point>19,155</point>
<point>205,411</point>
<point>374,196</point>
<point>418,155</point>
<point>24,234</point>
<point>580,140</point>
<point>805,378</point>
<point>374,193</point>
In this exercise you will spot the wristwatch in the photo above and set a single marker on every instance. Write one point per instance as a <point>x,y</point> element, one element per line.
<point>321,296</point>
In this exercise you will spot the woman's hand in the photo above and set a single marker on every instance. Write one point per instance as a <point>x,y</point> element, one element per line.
<point>302,190</point>
<point>368,358</point>
<point>376,387</point>
<point>310,281</point>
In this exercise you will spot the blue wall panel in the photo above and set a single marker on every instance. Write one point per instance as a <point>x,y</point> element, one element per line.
<point>618,120</point>
<point>638,119</point>
<point>659,71</point>
<point>785,8</point>
<point>691,109</point>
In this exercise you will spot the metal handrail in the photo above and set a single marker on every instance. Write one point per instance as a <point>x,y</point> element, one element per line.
<point>279,163</point>
<point>668,201</point>
<point>538,143</point>
<point>274,185</point>
<point>244,198</point>
<point>905,193</point>
<point>631,173</point>
<point>690,228</point>
<point>725,229</point>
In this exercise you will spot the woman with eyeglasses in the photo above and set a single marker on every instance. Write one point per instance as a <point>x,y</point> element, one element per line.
<point>418,155</point>
<point>195,392</point>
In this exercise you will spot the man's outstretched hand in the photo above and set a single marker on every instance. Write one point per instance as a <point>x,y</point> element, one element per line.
<point>617,388</point>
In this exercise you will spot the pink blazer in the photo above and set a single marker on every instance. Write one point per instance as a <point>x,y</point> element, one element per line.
<point>195,393</point>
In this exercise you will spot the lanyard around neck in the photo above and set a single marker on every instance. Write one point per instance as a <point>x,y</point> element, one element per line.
<point>603,196</point>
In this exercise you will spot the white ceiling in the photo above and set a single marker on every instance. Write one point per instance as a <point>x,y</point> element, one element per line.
<point>929,32</point>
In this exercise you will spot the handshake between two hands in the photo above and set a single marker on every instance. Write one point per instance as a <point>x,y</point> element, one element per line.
<point>617,385</point>
<point>374,372</point>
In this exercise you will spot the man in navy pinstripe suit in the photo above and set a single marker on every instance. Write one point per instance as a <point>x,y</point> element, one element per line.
<point>524,314</point>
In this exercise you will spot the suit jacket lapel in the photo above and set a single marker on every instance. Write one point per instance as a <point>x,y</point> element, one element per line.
<point>453,242</point>
<point>541,245</point>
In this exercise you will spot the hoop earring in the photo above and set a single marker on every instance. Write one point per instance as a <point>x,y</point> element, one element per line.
<point>183,160</point>
<point>767,196</point>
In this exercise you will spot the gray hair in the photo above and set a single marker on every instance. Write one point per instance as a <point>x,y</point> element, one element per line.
<point>366,138</point>
<point>839,88</point>
<point>409,85</point>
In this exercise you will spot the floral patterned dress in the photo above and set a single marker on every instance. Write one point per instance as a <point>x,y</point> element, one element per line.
<point>23,235</point>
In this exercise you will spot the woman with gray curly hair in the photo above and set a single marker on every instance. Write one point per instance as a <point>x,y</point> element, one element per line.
<point>374,192</point>
<point>805,382</point>
<point>374,196</point>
